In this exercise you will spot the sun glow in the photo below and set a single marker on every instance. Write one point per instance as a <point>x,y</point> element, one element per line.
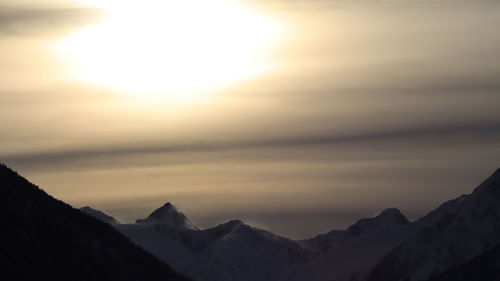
<point>171,49</point>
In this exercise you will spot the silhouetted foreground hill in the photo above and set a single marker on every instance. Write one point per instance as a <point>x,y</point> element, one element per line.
<point>42,238</point>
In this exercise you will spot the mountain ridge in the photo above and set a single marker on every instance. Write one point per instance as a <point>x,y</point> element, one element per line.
<point>454,233</point>
<point>358,253</point>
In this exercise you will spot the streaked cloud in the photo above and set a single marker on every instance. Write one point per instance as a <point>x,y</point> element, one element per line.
<point>446,134</point>
<point>26,21</point>
<point>379,104</point>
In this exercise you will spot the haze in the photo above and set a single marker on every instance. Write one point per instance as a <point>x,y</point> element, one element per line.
<point>322,113</point>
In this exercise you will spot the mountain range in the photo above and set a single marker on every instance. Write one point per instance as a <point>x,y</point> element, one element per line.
<point>42,238</point>
<point>457,241</point>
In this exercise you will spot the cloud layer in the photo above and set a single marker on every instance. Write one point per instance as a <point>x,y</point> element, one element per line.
<point>387,104</point>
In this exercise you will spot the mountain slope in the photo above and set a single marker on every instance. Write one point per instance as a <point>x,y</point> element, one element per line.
<point>42,238</point>
<point>352,253</point>
<point>451,235</point>
<point>247,253</point>
<point>229,251</point>
<point>485,267</point>
<point>99,215</point>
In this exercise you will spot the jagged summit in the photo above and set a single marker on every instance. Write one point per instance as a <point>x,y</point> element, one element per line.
<point>168,215</point>
<point>392,216</point>
<point>388,218</point>
<point>166,209</point>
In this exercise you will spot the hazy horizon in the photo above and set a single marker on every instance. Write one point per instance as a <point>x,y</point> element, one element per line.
<point>295,116</point>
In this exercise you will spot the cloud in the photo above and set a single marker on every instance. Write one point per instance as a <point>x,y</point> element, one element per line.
<point>432,135</point>
<point>22,21</point>
<point>379,102</point>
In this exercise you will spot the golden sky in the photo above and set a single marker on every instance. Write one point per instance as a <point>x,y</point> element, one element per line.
<point>296,116</point>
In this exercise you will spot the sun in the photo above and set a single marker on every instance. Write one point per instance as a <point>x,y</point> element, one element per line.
<point>171,49</point>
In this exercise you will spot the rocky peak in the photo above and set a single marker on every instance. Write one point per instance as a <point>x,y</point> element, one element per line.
<point>388,218</point>
<point>168,215</point>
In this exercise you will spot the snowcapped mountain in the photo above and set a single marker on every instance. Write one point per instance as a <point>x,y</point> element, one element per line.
<point>229,251</point>
<point>168,216</point>
<point>247,253</point>
<point>236,251</point>
<point>450,242</point>
<point>453,234</point>
<point>351,254</point>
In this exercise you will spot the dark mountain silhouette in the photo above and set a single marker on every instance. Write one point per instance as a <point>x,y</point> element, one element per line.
<point>42,238</point>
<point>459,240</point>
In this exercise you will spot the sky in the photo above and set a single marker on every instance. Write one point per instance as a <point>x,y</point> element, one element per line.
<point>298,117</point>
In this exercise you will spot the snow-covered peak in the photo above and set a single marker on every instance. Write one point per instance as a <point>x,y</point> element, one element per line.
<point>99,215</point>
<point>388,218</point>
<point>228,226</point>
<point>168,215</point>
<point>391,212</point>
<point>230,229</point>
<point>164,211</point>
